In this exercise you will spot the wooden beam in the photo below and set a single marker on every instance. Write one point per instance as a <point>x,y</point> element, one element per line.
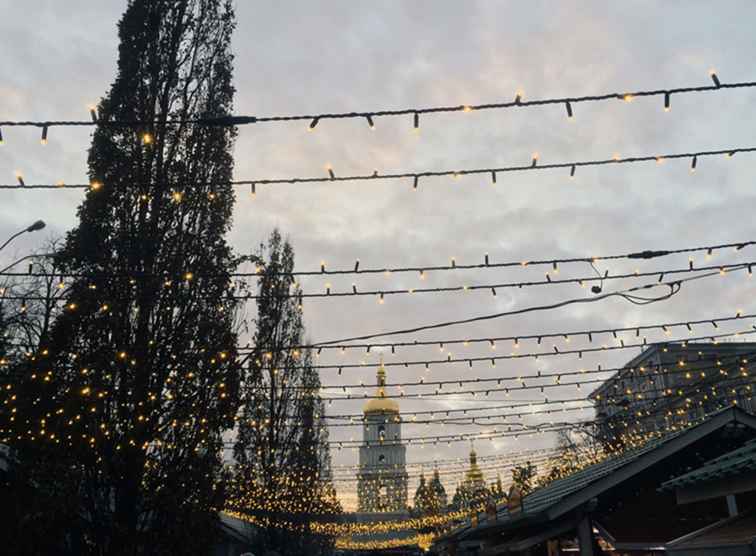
<point>585,536</point>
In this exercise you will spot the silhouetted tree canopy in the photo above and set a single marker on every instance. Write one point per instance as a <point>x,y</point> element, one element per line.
<point>283,461</point>
<point>118,418</point>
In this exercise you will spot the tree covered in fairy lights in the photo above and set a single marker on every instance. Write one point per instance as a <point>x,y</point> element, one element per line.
<point>282,473</point>
<point>115,416</point>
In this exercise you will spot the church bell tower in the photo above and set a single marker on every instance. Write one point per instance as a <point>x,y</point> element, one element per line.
<point>382,479</point>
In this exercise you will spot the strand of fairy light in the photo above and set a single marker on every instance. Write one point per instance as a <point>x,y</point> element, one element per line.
<point>690,373</point>
<point>515,354</point>
<point>486,462</point>
<point>524,404</point>
<point>526,453</point>
<point>426,440</point>
<point>533,165</point>
<point>628,294</point>
<point>539,337</point>
<point>618,399</point>
<point>539,375</point>
<point>453,265</point>
<point>545,452</point>
<point>380,293</point>
<point>229,120</point>
<point>462,460</point>
<point>700,388</point>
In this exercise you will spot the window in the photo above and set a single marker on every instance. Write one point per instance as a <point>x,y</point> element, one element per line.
<point>381,458</point>
<point>381,432</point>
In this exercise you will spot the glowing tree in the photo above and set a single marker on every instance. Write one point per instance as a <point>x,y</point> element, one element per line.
<point>119,414</point>
<point>283,471</point>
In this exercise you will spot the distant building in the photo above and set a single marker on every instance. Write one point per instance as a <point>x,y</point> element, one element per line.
<point>430,497</point>
<point>438,490</point>
<point>669,385</point>
<point>382,478</point>
<point>690,492</point>
<point>472,492</point>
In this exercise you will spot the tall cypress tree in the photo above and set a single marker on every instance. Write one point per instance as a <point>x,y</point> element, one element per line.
<point>283,462</point>
<point>138,378</point>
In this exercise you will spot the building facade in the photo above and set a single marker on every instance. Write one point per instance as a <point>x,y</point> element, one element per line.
<point>472,492</point>
<point>671,385</point>
<point>430,497</point>
<point>382,478</point>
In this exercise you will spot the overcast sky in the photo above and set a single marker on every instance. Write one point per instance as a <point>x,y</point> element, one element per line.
<point>310,57</point>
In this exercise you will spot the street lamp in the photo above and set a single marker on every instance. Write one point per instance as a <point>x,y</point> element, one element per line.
<point>38,225</point>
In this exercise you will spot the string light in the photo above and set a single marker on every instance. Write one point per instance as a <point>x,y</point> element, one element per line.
<point>506,389</point>
<point>715,79</point>
<point>495,433</point>
<point>616,159</point>
<point>487,263</point>
<point>518,102</point>
<point>631,295</point>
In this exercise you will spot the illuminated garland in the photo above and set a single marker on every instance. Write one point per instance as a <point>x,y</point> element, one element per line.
<point>422,540</point>
<point>329,293</point>
<point>333,529</point>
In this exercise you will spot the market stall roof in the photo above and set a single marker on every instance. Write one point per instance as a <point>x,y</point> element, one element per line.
<point>565,494</point>
<point>727,465</point>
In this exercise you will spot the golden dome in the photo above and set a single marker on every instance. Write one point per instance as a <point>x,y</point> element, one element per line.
<point>381,404</point>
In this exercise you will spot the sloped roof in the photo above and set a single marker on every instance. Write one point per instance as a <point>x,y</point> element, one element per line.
<point>716,539</point>
<point>562,495</point>
<point>731,463</point>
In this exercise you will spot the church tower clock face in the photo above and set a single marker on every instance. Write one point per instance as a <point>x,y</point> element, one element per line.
<point>382,478</point>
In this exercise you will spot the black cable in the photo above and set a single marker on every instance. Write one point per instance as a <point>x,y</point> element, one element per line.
<point>448,289</point>
<point>368,115</point>
<point>499,380</point>
<point>589,334</point>
<point>416,176</point>
<point>674,287</point>
<point>324,271</point>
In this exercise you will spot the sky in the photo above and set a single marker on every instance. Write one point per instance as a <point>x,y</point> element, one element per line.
<point>315,57</point>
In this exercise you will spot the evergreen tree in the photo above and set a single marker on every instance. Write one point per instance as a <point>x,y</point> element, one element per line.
<point>438,490</point>
<point>423,503</point>
<point>123,406</point>
<point>283,462</point>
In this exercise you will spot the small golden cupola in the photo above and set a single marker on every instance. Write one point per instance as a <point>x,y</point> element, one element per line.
<point>381,404</point>
<point>474,474</point>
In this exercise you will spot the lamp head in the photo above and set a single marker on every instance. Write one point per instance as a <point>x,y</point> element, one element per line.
<point>38,225</point>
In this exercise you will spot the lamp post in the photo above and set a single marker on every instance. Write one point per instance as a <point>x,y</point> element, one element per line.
<point>38,225</point>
